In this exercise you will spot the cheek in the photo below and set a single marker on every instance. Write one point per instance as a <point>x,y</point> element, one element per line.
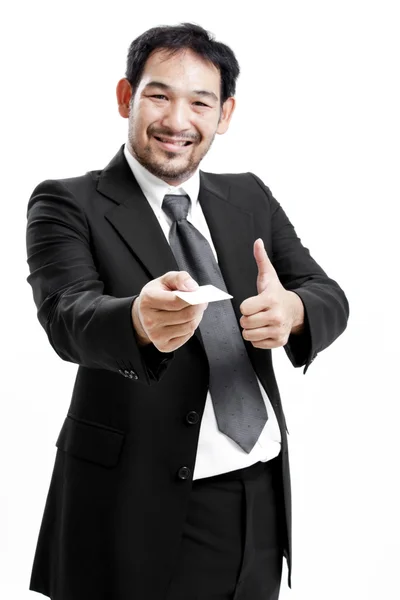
<point>207,128</point>
<point>143,119</point>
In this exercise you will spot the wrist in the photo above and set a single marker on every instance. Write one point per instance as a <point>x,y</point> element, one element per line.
<point>140,333</point>
<point>297,308</point>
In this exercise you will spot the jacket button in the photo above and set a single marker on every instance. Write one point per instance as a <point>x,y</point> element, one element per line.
<point>184,473</point>
<point>130,374</point>
<point>192,417</point>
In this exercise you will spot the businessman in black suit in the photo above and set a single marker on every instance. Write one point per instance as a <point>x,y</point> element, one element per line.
<point>170,481</point>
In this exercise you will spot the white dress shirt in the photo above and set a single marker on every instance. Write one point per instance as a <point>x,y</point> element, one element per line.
<point>216,452</point>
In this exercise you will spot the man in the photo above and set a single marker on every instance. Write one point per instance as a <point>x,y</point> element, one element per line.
<point>171,479</point>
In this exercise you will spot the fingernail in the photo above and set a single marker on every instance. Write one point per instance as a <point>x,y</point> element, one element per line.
<point>190,284</point>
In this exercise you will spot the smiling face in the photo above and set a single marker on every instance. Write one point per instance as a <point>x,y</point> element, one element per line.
<point>174,113</point>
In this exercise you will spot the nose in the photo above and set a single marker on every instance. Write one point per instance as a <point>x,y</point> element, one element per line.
<point>177,116</point>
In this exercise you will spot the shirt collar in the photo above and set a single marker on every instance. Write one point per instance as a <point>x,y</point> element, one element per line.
<point>155,188</point>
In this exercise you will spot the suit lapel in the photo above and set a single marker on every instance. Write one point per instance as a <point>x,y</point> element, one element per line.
<point>133,218</point>
<point>232,232</point>
<point>231,228</point>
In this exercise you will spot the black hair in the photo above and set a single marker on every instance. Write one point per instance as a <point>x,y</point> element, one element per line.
<point>175,38</point>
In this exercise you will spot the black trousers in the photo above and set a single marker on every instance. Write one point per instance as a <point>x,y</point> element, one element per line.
<point>232,543</point>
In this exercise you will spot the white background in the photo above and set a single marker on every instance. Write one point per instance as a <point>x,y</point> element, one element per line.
<point>318,120</point>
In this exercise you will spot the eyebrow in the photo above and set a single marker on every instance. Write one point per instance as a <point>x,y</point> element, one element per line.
<point>164,86</point>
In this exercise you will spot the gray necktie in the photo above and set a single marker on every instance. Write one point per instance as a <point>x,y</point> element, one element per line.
<point>238,404</point>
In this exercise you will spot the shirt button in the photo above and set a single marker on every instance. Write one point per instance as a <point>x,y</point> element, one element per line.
<point>192,417</point>
<point>184,473</point>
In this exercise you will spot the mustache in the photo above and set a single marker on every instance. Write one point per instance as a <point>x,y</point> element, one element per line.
<point>173,135</point>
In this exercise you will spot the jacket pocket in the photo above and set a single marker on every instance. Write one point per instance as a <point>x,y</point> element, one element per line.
<point>89,441</point>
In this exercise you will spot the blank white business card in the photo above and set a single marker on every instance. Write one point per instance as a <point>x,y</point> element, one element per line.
<point>205,293</point>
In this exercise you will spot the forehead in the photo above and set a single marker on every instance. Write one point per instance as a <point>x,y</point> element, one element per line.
<point>184,71</point>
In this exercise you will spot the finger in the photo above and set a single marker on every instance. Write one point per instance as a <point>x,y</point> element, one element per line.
<point>265,333</point>
<point>187,314</point>
<point>256,335</point>
<point>267,344</point>
<point>255,304</point>
<point>266,337</point>
<point>264,265</point>
<point>159,294</point>
<point>158,299</point>
<point>260,319</point>
<point>179,280</point>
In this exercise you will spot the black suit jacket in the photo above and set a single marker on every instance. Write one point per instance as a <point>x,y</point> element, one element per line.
<point>117,500</point>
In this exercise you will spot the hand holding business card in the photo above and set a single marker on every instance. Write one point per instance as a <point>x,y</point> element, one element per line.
<point>204,293</point>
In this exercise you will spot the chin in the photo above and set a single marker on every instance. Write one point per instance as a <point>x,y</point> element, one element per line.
<point>172,174</point>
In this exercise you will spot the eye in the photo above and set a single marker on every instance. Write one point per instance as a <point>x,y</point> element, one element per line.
<point>158,96</point>
<point>201,103</point>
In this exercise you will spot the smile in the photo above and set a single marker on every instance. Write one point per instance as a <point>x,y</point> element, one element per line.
<point>171,144</point>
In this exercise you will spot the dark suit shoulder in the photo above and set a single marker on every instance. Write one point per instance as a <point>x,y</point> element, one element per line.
<point>73,184</point>
<point>241,180</point>
<point>78,190</point>
<point>237,186</point>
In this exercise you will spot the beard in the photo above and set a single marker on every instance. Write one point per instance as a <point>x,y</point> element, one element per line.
<point>168,166</point>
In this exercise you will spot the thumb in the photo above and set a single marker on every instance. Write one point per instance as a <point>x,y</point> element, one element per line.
<point>179,280</point>
<point>185,283</point>
<point>265,267</point>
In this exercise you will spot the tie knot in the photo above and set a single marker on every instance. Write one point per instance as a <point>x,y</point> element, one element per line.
<point>176,207</point>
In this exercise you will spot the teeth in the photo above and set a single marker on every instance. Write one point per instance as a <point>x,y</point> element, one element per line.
<point>173,142</point>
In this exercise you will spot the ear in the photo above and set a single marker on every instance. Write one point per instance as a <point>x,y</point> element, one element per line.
<point>226,114</point>
<point>124,94</point>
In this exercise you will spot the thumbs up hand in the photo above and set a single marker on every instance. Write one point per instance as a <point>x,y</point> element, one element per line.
<point>271,316</point>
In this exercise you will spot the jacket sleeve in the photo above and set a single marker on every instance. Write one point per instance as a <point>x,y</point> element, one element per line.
<point>326,308</point>
<point>83,325</point>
